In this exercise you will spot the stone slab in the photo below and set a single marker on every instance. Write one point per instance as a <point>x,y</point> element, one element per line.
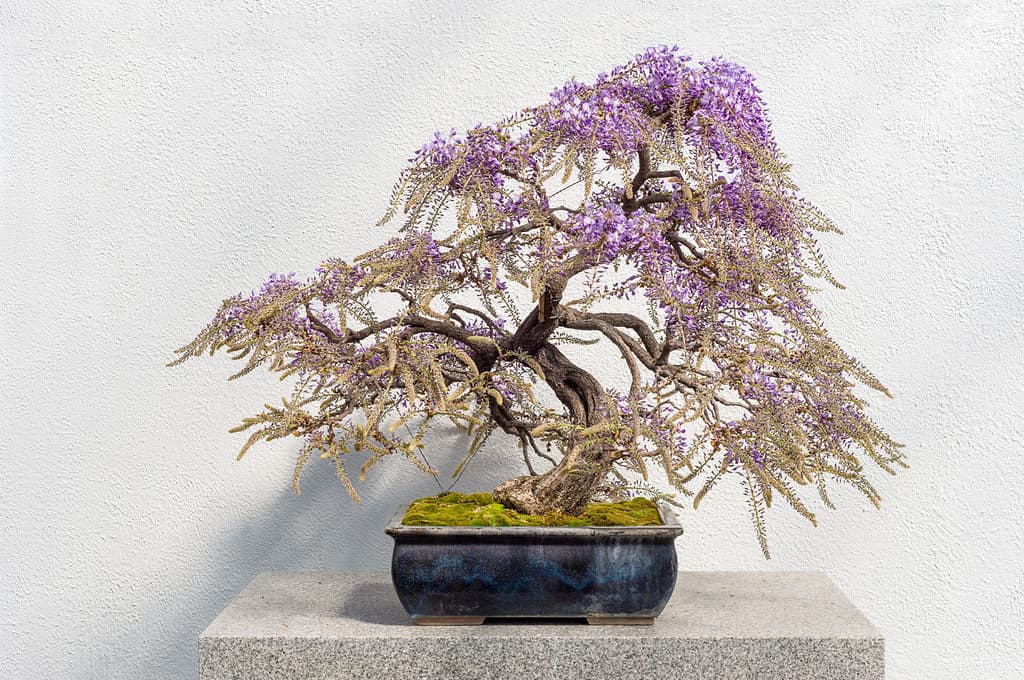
<point>325,625</point>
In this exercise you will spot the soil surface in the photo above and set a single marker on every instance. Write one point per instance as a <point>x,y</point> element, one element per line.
<point>480,509</point>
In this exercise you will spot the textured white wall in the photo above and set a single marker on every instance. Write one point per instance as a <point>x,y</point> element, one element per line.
<point>156,160</point>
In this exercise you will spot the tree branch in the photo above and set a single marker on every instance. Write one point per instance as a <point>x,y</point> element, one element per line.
<point>320,326</point>
<point>654,199</point>
<point>485,350</point>
<point>630,352</point>
<point>477,313</point>
<point>664,174</point>
<point>633,323</point>
<point>351,336</point>
<point>577,389</point>
<point>519,428</point>
<point>542,321</point>
<point>643,170</point>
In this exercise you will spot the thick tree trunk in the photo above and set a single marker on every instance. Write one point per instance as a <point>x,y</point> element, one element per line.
<point>560,489</point>
<point>564,488</point>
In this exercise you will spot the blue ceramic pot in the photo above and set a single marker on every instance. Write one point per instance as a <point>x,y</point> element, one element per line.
<point>461,575</point>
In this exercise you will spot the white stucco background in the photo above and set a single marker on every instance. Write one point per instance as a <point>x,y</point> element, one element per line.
<point>157,159</point>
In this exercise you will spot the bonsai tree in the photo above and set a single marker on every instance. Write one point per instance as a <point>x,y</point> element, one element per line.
<point>650,210</point>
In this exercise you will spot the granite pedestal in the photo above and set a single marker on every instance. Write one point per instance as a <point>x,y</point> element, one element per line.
<point>325,625</point>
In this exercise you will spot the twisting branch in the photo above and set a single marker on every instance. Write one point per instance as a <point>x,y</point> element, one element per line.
<point>643,172</point>
<point>629,353</point>
<point>633,323</point>
<point>521,429</point>
<point>483,316</point>
<point>351,336</point>
<point>320,326</point>
<point>654,199</point>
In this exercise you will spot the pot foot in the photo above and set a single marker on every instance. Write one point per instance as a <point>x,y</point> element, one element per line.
<point>449,620</point>
<point>620,620</point>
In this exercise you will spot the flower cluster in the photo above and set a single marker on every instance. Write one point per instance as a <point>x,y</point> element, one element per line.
<point>439,151</point>
<point>486,157</point>
<point>603,231</point>
<point>728,103</point>
<point>578,113</point>
<point>271,311</point>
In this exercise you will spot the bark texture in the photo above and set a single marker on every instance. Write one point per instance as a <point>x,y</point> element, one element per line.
<point>567,487</point>
<point>562,489</point>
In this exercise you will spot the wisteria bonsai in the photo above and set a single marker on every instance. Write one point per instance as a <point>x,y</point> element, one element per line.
<point>651,210</point>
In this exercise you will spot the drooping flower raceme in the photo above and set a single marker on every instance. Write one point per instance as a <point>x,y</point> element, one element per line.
<point>658,186</point>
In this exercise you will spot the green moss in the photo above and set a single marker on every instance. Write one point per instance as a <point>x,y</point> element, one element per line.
<point>480,510</point>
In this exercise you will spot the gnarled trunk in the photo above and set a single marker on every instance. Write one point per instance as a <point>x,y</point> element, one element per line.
<point>561,489</point>
<point>567,487</point>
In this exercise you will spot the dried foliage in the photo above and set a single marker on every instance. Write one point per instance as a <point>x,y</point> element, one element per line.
<point>660,187</point>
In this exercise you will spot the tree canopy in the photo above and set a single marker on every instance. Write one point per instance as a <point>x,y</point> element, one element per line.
<point>657,189</point>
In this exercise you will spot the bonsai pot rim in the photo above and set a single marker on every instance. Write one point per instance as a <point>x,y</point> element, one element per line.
<point>670,528</point>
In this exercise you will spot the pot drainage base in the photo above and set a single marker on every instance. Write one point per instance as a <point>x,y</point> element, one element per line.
<point>480,620</point>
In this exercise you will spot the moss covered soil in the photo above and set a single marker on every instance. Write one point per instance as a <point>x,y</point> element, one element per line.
<point>480,510</point>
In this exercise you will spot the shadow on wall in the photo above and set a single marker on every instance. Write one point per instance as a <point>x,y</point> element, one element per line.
<point>321,529</point>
